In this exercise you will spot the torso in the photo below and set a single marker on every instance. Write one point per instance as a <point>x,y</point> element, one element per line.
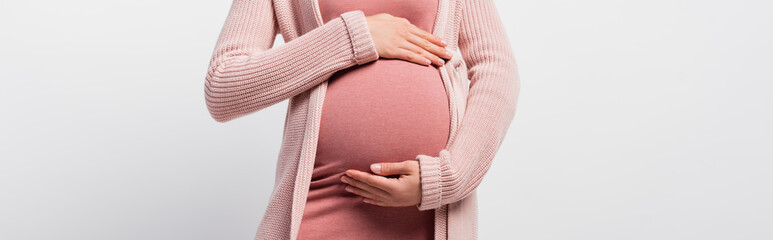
<point>388,110</point>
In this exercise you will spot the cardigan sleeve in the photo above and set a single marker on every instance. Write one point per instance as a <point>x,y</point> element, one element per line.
<point>246,74</point>
<point>491,102</point>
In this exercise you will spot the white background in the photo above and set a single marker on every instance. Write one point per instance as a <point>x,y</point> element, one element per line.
<point>636,120</point>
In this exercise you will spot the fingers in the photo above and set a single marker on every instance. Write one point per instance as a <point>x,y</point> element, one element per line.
<point>397,37</point>
<point>407,45</point>
<point>375,202</point>
<point>426,35</point>
<point>391,168</point>
<point>376,181</point>
<point>431,47</point>
<point>412,56</point>
<point>363,189</point>
<point>412,166</point>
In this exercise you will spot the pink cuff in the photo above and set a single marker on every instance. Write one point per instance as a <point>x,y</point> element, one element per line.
<point>359,33</point>
<point>431,182</point>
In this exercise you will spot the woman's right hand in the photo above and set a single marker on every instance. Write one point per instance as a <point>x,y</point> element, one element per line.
<point>396,37</point>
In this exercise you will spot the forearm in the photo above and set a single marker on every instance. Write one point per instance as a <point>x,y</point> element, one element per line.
<point>244,80</point>
<point>490,107</point>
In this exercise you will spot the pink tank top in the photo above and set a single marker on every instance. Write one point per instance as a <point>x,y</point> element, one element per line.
<point>388,110</point>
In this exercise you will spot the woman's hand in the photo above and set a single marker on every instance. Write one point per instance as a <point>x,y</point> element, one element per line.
<point>386,191</point>
<point>396,37</point>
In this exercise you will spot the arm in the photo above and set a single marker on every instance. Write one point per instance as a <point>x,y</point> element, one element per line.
<point>246,74</point>
<point>491,103</point>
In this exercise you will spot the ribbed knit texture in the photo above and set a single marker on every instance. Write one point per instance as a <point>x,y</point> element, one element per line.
<point>491,104</point>
<point>247,74</point>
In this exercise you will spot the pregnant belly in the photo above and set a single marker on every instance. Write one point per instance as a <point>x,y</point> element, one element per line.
<point>385,111</point>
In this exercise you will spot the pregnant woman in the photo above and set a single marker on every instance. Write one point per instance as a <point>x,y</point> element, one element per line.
<point>388,110</point>
<point>382,137</point>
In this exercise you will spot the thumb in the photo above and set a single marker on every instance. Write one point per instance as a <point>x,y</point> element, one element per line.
<point>391,168</point>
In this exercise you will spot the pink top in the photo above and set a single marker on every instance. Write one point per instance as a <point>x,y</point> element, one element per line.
<point>389,110</point>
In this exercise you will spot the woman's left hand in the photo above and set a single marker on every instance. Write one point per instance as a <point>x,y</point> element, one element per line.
<point>377,189</point>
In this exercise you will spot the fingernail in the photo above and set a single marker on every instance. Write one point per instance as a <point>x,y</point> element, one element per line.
<point>343,179</point>
<point>347,173</point>
<point>442,62</point>
<point>448,53</point>
<point>443,41</point>
<point>376,167</point>
<point>348,189</point>
<point>428,62</point>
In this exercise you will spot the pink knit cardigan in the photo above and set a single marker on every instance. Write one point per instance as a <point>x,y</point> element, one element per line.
<point>247,74</point>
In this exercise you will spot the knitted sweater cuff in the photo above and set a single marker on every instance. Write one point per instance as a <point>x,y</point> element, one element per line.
<point>431,172</point>
<point>359,34</point>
